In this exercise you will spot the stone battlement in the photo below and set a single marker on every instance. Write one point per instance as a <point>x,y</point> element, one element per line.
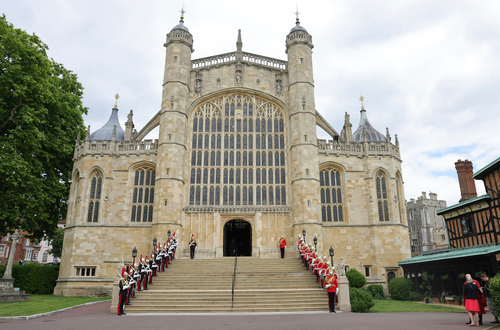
<point>248,58</point>
<point>355,148</point>
<point>117,148</point>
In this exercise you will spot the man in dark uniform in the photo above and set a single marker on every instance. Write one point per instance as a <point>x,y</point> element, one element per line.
<point>192,246</point>
<point>123,292</point>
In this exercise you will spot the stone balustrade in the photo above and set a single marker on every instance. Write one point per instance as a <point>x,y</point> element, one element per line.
<point>230,58</point>
<point>355,148</point>
<point>117,148</point>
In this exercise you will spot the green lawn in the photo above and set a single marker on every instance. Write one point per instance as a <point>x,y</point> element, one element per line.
<point>396,306</point>
<point>43,304</point>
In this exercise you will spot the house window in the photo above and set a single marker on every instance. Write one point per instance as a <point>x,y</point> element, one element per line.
<point>85,271</point>
<point>46,243</point>
<point>95,197</point>
<point>2,250</point>
<point>467,222</point>
<point>383,202</point>
<point>367,271</point>
<point>331,195</point>
<point>27,255</point>
<point>35,255</point>
<point>143,195</point>
<point>443,237</point>
<point>45,256</point>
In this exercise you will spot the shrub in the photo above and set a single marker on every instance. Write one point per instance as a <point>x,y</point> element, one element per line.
<point>415,296</point>
<point>495,292</point>
<point>361,301</point>
<point>355,278</point>
<point>376,290</point>
<point>428,299</point>
<point>400,288</point>
<point>33,278</point>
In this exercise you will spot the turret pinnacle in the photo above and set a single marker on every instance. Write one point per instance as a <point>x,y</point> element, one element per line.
<point>239,44</point>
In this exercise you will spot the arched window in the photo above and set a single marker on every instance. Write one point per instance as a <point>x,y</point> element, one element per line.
<point>95,197</point>
<point>242,151</point>
<point>382,200</point>
<point>331,195</point>
<point>144,192</point>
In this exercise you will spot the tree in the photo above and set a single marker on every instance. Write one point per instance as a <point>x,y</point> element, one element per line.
<point>40,118</point>
<point>57,243</point>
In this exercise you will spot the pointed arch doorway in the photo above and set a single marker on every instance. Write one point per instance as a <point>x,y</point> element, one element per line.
<point>237,237</point>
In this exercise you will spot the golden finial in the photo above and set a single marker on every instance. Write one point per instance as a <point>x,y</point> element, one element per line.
<point>361,98</point>
<point>117,96</point>
<point>297,12</point>
<point>183,11</point>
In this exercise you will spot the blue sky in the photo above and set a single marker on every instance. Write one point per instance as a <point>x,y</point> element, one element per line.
<point>429,70</point>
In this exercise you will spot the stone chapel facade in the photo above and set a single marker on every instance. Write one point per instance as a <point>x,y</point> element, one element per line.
<point>237,158</point>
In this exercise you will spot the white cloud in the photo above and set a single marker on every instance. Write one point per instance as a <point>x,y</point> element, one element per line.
<point>429,70</point>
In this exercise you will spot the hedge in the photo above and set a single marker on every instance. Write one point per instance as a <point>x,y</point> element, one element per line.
<point>33,278</point>
<point>376,290</point>
<point>361,301</point>
<point>495,292</point>
<point>400,288</point>
<point>355,278</point>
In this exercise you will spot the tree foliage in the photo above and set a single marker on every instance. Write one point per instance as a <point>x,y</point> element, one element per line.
<point>40,117</point>
<point>355,278</point>
<point>361,300</point>
<point>57,243</point>
<point>401,288</point>
<point>495,292</point>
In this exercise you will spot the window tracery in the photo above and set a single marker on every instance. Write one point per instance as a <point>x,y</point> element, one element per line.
<point>382,200</point>
<point>252,133</point>
<point>143,194</point>
<point>331,196</point>
<point>95,197</point>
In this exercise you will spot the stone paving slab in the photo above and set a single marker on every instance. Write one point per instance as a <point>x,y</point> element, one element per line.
<point>97,317</point>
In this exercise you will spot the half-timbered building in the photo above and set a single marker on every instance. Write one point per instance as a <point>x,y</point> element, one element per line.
<point>473,227</point>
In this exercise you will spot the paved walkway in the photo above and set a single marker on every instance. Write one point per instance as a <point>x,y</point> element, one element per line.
<point>97,317</point>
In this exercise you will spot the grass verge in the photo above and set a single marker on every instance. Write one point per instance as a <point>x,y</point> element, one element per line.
<point>396,306</point>
<point>43,304</point>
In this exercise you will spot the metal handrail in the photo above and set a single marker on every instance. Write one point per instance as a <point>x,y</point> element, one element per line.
<point>234,280</point>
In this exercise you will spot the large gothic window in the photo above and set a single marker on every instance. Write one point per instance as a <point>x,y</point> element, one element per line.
<point>246,137</point>
<point>331,195</point>
<point>382,200</point>
<point>143,195</point>
<point>95,197</point>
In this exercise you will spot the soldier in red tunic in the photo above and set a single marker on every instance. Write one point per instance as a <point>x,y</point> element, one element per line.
<point>332,288</point>
<point>123,284</point>
<point>282,243</point>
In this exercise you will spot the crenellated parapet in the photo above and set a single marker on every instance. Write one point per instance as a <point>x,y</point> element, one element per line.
<point>247,58</point>
<point>115,148</point>
<point>182,36</point>
<point>359,148</point>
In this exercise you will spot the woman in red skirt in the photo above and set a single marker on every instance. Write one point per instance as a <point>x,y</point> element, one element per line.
<point>471,302</point>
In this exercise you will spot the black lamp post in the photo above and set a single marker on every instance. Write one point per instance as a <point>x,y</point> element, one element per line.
<point>304,235</point>
<point>331,256</point>
<point>169,233</point>
<point>315,243</point>
<point>134,254</point>
<point>154,244</point>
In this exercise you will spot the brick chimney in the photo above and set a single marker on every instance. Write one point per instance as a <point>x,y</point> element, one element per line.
<point>467,184</point>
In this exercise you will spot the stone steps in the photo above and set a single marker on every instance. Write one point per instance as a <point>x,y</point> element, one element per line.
<point>261,285</point>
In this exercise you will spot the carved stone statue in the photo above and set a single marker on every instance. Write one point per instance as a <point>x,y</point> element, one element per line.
<point>279,87</point>
<point>341,267</point>
<point>197,88</point>
<point>238,77</point>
